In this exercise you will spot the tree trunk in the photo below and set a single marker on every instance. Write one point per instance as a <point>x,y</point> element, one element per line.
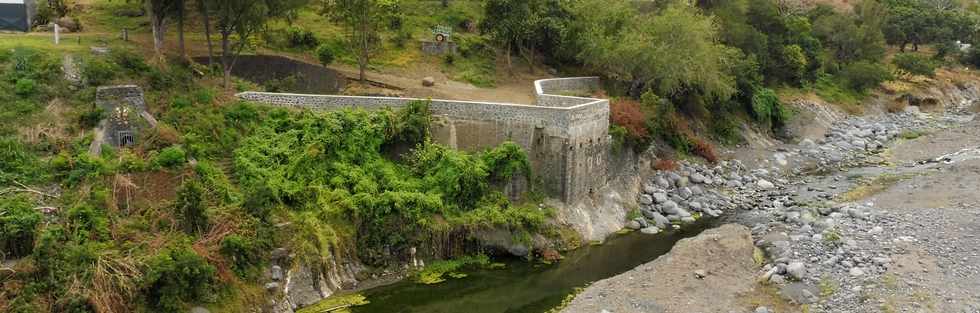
<point>510,66</point>
<point>225,62</point>
<point>530,59</point>
<point>180,29</point>
<point>158,27</point>
<point>207,30</point>
<point>362,61</point>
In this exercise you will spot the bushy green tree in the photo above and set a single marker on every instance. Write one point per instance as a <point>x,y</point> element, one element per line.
<point>363,20</point>
<point>847,41</point>
<point>191,207</point>
<point>650,49</point>
<point>325,54</point>
<point>915,64</point>
<point>176,276</point>
<point>864,75</point>
<point>239,20</point>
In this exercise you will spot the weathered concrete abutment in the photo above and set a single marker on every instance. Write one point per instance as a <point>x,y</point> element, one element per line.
<point>566,138</point>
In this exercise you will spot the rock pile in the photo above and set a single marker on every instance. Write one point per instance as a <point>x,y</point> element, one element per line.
<point>852,139</point>
<point>694,190</point>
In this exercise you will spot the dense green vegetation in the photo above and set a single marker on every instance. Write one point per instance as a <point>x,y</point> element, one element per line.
<point>145,229</point>
<point>190,214</point>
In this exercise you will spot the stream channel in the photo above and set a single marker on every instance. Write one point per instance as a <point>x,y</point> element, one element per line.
<point>528,287</point>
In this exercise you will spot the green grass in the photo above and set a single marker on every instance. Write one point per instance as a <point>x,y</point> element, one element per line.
<point>103,16</point>
<point>418,20</point>
<point>911,134</point>
<point>45,42</point>
<point>832,90</point>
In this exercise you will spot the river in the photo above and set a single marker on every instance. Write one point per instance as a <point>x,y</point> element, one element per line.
<point>527,287</point>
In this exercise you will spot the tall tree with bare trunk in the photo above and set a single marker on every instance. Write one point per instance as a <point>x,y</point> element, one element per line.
<point>363,19</point>
<point>239,20</point>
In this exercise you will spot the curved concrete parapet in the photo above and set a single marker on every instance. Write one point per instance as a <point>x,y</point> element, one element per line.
<point>565,137</point>
<point>554,92</point>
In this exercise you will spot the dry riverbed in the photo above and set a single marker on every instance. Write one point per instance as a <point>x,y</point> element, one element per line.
<point>890,223</point>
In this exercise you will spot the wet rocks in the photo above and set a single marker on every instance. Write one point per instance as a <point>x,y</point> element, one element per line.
<point>652,230</point>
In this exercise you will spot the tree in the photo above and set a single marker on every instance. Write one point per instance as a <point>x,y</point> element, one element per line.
<point>159,11</point>
<point>508,23</point>
<point>206,16</point>
<point>363,19</point>
<point>848,41</point>
<point>675,51</point>
<point>239,20</point>
<point>907,23</point>
<point>179,10</point>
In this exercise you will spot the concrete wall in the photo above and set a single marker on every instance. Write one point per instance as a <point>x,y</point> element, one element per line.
<point>566,138</point>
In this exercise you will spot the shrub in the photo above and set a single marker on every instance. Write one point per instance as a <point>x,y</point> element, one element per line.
<point>180,102</point>
<point>129,61</point>
<point>241,114</point>
<point>402,37</point>
<point>915,64</point>
<point>627,114</point>
<point>177,276</point>
<point>87,223</point>
<point>767,108</point>
<point>190,207</point>
<point>77,168</point>
<point>17,226</point>
<point>17,162</point>
<point>725,127</point>
<point>325,54</point>
<point>175,75</point>
<point>505,161</point>
<point>243,253</point>
<point>300,38</point>
<point>863,75</point>
<point>204,96</point>
<point>171,157</point>
<point>96,72</point>
<point>704,149</point>
<point>91,118</point>
<point>25,87</point>
<point>411,124</point>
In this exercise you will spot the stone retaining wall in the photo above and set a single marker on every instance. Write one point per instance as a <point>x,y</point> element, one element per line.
<point>566,138</point>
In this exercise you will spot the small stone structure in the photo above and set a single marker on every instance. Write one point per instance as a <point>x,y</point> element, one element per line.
<point>126,115</point>
<point>439,48</point>
<point>566,138</point>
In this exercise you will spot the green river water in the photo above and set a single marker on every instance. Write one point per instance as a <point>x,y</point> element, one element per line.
<point>526,287</point>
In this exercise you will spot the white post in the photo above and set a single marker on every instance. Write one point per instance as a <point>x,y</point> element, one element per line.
<point>57,33</point>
